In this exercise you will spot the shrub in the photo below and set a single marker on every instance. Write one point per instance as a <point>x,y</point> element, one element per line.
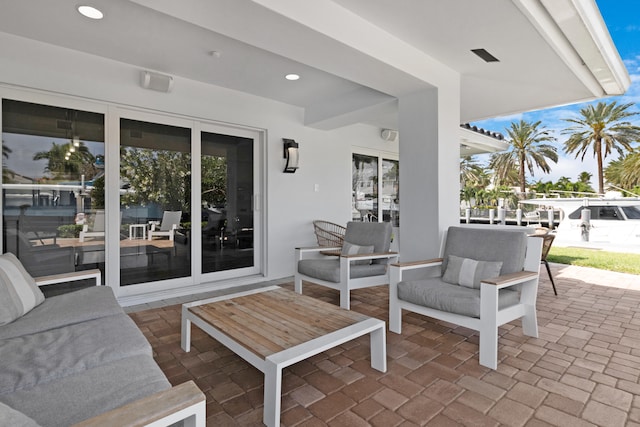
<point>71,230</point>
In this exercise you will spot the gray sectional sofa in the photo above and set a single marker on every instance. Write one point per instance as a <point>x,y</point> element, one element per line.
<point>73,357</point>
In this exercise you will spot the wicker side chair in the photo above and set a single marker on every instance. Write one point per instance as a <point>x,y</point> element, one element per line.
<point>329,234</point>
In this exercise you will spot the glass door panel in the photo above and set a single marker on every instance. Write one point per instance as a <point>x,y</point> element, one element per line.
<point>375,199</point>
<point>390,192</point>
<point>155,202</point>
<point>53,187</point>
<point>227,188</point>
<point>364,188</point>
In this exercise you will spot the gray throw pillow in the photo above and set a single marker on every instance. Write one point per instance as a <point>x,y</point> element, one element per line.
<point>469,272</point>
<point>353,249</point>
<point>19,293</point>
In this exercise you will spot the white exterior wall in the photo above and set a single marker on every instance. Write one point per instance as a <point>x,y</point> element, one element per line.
<point>291,201</point>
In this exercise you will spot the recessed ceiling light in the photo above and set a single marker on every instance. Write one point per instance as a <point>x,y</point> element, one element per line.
<point>90,12</point>
<point>292,77</point>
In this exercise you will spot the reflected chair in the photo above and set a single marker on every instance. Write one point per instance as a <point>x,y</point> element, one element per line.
<point>96,229</point>
<point>41,259</point>
<point>168,226</point>
<point>363,261</point>
<point>485,277</point>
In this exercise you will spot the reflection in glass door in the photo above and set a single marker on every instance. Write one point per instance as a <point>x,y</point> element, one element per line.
<point>375,199</point>
<point>53,187</point>
<point>227,202</point>
<point>155,202</point>
<point>364,188</point>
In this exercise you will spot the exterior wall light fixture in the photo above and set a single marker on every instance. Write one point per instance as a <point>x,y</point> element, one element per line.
<point>291,154</point>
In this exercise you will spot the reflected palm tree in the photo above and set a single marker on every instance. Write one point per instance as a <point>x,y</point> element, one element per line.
<point>65,161</point>
<point>7,174</point>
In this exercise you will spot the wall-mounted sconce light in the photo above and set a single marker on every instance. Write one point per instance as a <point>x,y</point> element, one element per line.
<point>291,154</point>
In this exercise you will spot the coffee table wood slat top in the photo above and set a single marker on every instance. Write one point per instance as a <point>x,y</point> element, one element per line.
<point>267,323</point>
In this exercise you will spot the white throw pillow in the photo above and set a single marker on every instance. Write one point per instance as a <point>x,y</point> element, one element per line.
<point>353,249</point>
<point>19,293</point>
<point>469,272</point>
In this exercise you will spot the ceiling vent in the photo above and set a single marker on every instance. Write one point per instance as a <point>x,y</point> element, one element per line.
<point>486,56</point>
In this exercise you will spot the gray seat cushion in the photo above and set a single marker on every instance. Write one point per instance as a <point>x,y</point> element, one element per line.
<point>439,295</point>
<point>487,244</point>
<point>75,398</point>
<point>329,269</point>
<point>67,309</point>
<point>46,356</point>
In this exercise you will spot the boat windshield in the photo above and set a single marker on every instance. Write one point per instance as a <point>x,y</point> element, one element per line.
<point>632,212</point>
<point>599,212</point>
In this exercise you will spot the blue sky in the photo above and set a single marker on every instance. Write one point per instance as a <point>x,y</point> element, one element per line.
<point>623,21</point>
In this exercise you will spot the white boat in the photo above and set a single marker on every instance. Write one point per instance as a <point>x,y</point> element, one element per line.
<point>614,221</point>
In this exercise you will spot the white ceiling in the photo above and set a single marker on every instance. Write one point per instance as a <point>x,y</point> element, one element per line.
<point>355,57</point>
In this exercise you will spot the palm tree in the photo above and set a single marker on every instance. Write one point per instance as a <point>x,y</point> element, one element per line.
<point>470,171</point>
<point>473,177</point>
<point>584,177</point>
<point>625,171</point>
<point>602,128</point>
<point>528,148</point>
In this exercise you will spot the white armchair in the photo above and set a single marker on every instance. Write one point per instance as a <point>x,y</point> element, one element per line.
<point>168,226</point>
<point>361,262</point>
<point>486,277</point>
<point>96,229</point>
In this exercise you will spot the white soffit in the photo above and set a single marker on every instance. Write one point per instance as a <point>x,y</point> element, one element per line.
<point>355,57</point>
<point>472,143</point>
<point>576,30</point>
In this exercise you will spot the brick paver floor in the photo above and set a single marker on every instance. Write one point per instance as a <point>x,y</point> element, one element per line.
<point>582,370</point>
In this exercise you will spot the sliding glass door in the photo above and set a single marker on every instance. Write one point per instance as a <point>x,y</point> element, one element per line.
<point>53,172</point>
<point>155,202</point>
<point>93,186</point>
<point>228,232</point>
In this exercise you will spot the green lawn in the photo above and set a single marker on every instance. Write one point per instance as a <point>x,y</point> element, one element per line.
<point>612,261</point>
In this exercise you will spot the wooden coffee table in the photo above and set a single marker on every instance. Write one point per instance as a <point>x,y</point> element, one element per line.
<point>272,328</point>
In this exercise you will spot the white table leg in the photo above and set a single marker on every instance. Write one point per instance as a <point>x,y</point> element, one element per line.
<point>185,336</point>
<point>272,394</point>
<point>378,349</point>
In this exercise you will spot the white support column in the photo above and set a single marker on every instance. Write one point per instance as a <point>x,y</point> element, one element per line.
<point>429,168</point>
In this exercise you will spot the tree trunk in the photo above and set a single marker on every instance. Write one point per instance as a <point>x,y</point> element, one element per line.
<point>599,161</point>
<point>522,182</point>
